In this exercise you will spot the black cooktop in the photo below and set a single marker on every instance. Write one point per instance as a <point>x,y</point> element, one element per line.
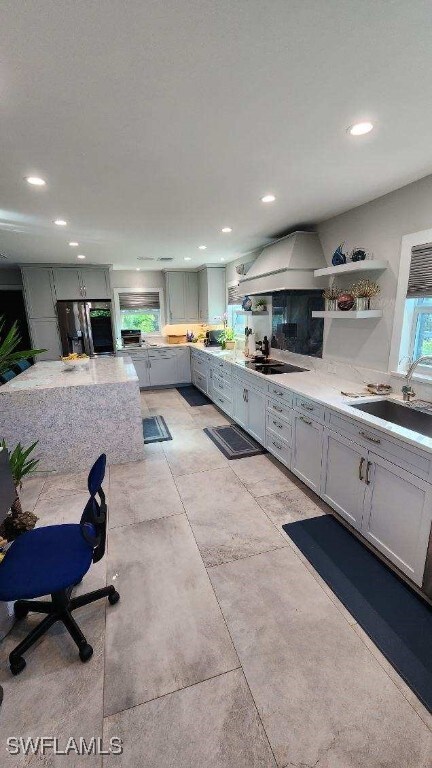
<point>271,367</point>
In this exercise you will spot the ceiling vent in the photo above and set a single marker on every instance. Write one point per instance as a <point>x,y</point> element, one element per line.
<point>145,258</point>
<point>2,256</point>
<point>166,258</point>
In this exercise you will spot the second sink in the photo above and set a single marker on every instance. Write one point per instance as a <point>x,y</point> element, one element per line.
<point>403,415</point>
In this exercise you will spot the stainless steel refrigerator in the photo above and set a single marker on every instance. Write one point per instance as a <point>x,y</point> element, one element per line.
<point>86,327</point>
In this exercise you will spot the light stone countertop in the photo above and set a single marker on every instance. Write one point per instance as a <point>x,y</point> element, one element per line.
<point>53,375</point>
<point>325,389</point>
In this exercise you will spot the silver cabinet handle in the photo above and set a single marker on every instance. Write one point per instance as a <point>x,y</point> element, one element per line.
<point>247,395</point>
<point>279,410</point>
<point>368,466</point>
<point>370,438</point>
<point>279,447</point>
<point>276,392</point>
<point>84,291</point>
<point>276,423</point>
<point>307,407</point>
<point>361,465</point>
<point>305,421</point>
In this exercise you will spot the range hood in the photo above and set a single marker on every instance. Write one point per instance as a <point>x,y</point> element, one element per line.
<point>287,264</point>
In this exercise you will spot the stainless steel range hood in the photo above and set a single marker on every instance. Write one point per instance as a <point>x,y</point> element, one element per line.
<point>287,264</point>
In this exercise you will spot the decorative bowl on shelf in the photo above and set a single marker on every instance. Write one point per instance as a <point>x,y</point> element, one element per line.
<point>345,301</point>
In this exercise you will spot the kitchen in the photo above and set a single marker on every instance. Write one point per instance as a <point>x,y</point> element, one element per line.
<point>254,276</point>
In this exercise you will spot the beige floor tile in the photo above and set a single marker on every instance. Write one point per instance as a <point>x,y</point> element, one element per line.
<point>59,484</point>
<point>174,416</point>
<point>289,507</point>
<point>323,698</point>
<point>167,631</point>
<point>62,509</point>
<point>192,451</point>
<point>212,724</point>
<point>142,490</point>
<point>31,490</point>
<point>226,520</point>
<point>261,476</point>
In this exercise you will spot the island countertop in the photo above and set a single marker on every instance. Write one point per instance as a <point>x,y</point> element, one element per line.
<point>53,374</point>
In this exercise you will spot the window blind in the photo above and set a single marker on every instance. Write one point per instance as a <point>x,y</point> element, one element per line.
<point>234,295</point>
<point>147,300</point>
<point>420,275</point>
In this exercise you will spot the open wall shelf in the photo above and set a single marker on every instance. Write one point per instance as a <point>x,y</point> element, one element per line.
<point>368,265</point>
<point>364,314</point>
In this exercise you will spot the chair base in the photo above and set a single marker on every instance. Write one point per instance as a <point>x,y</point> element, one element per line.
<point>58,609</point>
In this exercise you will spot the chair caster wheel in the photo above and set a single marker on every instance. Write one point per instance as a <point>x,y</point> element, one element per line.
<point>20,611</point>
<point>17,665</point>
<point>114,598</point>
<point>85,652</point>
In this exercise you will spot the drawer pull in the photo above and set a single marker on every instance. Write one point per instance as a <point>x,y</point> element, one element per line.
<point>307,407</point>
<point>276,423</point>
<point>361,465</point>
<point>370,438</point>
<point>279,447</point>
<point>368,466</point>
<point>275,408</point>
<point>276,392</point>
<point>305,421</point>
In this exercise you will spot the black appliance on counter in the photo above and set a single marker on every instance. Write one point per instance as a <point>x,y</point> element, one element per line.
<point>86,327</point>
<point>213,339</point>
<point>131,338</point>
<point>271,367</point>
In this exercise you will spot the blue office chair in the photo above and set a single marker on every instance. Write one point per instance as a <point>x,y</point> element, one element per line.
<point>52,560</point>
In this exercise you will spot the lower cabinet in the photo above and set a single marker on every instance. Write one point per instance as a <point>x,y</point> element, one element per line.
<point>397,515</point>
<point>307,450</point>
<point>163,368</point>
<point>44,334</point>
<point>200,380</point>
<point>249,409</point>
<point>343,471</point>
<point>141,365</point>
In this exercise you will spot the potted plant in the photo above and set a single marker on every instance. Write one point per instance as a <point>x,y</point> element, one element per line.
<point>228,338</point>
<point>8,347</point>
<point>331,295</point>
<point>364,291</point>
<point>261,305</point>
<point>17,521</point>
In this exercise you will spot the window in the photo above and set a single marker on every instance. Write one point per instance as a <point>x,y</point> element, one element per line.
<point>140,311</point>
<point>236,320</point>
<point>416,338</point>
<point>421,327</point>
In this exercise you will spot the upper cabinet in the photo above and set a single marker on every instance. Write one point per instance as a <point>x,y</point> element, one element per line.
<point>39,292</point>
<point>212,294</point>
<point>72,284</point>
<point>182,297</point>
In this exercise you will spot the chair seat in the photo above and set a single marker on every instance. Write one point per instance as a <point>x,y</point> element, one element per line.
<point>44,561</point>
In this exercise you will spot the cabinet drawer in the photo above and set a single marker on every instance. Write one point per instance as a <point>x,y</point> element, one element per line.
<point>279,408</point>
<point>199,365</point>
<point>396,452</point>
<point>221,386</point>
<point>304,405</point>
<point>279,447</point>
<point>280,393</point>
<point>200,380</point>
<point>221,401</point>
<point>279,426</point>
<point>250,380</point>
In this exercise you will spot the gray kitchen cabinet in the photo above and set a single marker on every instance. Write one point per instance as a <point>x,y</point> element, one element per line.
<point>44,334</point>
<point>397,515</point>
<point>212,294</point>
<point>163,367</point>
<point>67,283</point>
<point>182,297</point>
<point>344,470</point>
<point>95,283</point>
<point>72,284</point>
<point>141,365</point>
<point>307,450</point>
<point>240,409</point>
<point>183,365</point>
<point>249,409</point>
<point>39,292</point>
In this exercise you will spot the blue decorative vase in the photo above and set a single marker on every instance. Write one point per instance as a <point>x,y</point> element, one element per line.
<point>247,304</point>
<point>338,256</point>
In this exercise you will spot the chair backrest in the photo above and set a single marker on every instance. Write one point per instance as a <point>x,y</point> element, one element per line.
<point>94,518</point>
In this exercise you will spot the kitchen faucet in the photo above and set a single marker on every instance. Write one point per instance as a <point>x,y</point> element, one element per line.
<point>407,390</point>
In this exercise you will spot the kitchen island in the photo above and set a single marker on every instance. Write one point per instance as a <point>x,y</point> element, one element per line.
<point>75,415</point>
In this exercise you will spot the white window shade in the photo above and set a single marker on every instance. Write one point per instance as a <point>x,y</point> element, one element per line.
<point>234,295</point>
<point>420,275</point>
<point>147,300</point>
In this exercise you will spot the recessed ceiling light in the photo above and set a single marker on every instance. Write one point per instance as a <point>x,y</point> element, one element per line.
<point>359,129</point>
<point>73,244</point>
<point>138,269</point>
<point>187,258</point>
<point>202,247</point>
<point>80,256</point>
<point>222,258</point>
<point>36,181</point>
<point>60,222</point>
<point>226,229</point>
<point>268,199</point>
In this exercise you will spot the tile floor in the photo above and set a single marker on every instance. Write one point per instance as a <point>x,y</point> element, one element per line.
<point>226,649</point>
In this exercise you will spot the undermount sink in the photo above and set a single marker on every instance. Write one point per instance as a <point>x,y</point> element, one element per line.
<point>404,415</point>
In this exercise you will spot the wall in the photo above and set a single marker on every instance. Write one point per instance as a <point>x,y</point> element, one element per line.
<point>10,277</point>
<point>378,226</point>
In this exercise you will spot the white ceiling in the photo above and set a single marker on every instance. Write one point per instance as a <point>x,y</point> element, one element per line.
<point>158,122</point>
